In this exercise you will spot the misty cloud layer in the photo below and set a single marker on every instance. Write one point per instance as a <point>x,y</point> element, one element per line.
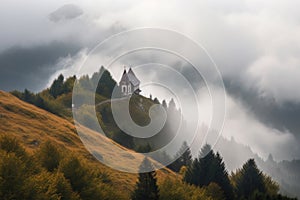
<point>66,12</point>
<point>255,44</point>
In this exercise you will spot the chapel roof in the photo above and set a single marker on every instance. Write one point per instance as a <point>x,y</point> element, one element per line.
<point>130,77</point>
<point>124,77</point>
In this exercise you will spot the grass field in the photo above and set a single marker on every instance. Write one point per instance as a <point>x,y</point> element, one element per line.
<point>33,126</point>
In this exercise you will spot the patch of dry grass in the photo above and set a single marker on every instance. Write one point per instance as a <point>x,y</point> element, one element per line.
<point>33,126</point>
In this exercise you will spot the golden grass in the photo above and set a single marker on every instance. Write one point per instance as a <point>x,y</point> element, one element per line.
<point>33,126</point>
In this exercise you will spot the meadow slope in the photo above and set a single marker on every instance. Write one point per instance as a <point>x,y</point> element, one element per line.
<point>33,126</point>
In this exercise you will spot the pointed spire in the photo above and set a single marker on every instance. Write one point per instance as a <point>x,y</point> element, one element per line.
<point>130,71</point>
<point>124,77</point>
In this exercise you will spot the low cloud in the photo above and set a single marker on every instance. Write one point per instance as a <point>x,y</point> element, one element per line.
<point>242,125</point>
<point>66,12</point>
<point>281,116</point>
<point>276,77</point>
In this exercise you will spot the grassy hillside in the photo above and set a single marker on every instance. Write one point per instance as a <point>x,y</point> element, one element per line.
<point>139,109</point>
<point>34,126</point>
<point>58,99</point>
<point>47,116</point>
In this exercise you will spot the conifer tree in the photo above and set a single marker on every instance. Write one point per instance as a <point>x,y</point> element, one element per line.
<point>28,96</point>
<point>197,173</point>
<point>164,104</point>
<point>104,84</point>
<point>56,88</point>
<point>251,180</point>
<point>69,84</point>
<point>221,177</point>
<point>146,188</point>
<point>156,101</point>
<point>184,158</point>
<point>172,105</point>
<point>207,168</point>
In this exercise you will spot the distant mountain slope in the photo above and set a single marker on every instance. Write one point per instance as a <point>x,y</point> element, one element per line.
<point>33,126</point>
<point>286,173</point>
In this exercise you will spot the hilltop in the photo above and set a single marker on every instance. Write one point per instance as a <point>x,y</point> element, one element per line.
<point>58,100</point>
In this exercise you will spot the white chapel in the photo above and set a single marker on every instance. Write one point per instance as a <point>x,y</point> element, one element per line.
<point>129,83</point>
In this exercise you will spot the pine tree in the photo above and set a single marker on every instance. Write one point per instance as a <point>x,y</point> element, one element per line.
<point>164,104</point>
<point>105,84</point>
<point>207,168</point>
<point>251,180</point>
<point>184,158</point>
<point>28,96</point>
<point>156,101</point>
<point>56,88</point>
<point>172,105</point>
<point>221,177</point>
<point>85,83</point>
<point>146,188</point>
<point>69,84</point>
<point>40,102</point>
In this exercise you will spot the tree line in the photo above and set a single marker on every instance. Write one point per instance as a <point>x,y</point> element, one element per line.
<point>207,175</point>
<point>57,99</point>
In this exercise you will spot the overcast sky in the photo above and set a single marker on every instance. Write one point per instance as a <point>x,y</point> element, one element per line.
<point>255,44</point>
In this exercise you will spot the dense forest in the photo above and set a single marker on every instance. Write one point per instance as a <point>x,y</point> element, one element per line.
<point>51,172</point>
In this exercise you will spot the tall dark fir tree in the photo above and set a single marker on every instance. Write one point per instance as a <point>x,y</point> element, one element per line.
<point>56,88</point>
<point>207,168</point>
<point>251,180</point>
<point>184,158</point>
<point>146,187</point>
